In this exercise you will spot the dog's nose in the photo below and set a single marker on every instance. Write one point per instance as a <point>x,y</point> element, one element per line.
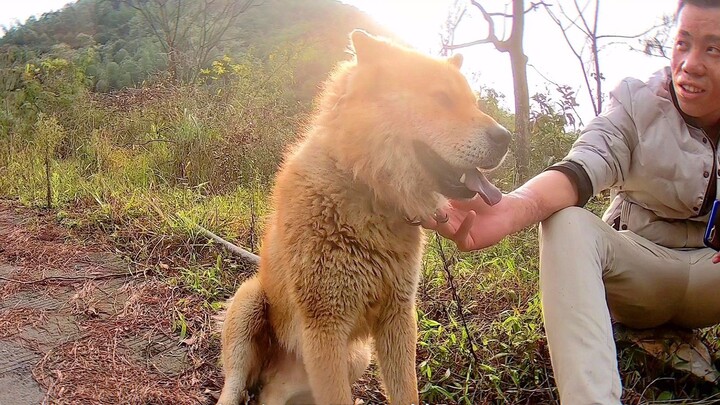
<point>500,136</point>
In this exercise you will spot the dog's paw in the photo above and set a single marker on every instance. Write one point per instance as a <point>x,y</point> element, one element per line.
<point>241,398</point>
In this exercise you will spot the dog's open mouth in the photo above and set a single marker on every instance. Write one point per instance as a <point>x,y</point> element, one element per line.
<point>455,182</point>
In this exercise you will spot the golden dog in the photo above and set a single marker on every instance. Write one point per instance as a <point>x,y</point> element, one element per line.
<point>395,134</point>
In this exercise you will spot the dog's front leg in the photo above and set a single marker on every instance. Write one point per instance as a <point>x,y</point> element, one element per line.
<point>395,340</point>
<point>325,353</point>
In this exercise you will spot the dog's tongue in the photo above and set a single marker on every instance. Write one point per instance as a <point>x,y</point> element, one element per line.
<point>477,182</point>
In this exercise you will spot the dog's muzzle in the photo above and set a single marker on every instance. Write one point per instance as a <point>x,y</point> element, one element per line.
<point>455,182</point>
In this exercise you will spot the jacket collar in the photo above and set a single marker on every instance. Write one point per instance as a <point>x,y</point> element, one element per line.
<point>688,119</point>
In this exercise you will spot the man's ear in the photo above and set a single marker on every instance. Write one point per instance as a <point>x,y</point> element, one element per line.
<point>456,60</point>
<point>367,47</point>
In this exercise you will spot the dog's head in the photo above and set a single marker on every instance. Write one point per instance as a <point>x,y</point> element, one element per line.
<point>409,126</point>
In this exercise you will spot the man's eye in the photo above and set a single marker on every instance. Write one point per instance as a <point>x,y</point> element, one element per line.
<point>681,45</point>
<point>714,50</point>
<point>443,99</point>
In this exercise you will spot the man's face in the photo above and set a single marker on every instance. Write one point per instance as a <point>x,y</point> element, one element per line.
<point>696,63</point>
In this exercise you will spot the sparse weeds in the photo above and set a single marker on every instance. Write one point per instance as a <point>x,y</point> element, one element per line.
<point>498,291</point>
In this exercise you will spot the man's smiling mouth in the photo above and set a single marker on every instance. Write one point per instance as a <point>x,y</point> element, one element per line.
<point>690,88</point>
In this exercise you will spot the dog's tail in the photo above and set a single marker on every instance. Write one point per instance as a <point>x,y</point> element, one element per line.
<point>246,341</point>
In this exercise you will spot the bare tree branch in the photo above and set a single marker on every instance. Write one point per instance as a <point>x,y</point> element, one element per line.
<point>189,30</point>
<point>247,255</point>
<point>573,21</point>
<point>590,64</point>
<point>450,26</point>
<point>577,54</point>
<point>533,6</point>
<point>581,16</point>
<point>491,37</point>
<point>471,43</point>
<point>647,31</point>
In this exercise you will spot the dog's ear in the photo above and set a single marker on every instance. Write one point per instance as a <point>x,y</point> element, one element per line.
<point>367,47</point>
<point>456,60</point>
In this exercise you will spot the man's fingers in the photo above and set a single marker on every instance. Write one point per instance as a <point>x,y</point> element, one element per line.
<point>462,237</point>
<point>716,258</point>
<point>450,224</point>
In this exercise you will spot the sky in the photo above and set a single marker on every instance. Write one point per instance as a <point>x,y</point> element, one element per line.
<point>419,22</point>
<point>13,11</point>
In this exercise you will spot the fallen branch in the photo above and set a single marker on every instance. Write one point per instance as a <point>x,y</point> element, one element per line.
<point>236,250</point>
<point>66,278</point>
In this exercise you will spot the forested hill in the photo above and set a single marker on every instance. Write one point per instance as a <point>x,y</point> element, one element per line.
<point>125,43</point>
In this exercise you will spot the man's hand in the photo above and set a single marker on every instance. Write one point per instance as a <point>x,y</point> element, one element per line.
<point>716,258</point>
<point>472,224</point>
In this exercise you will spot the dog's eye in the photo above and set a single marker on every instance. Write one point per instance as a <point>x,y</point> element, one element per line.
<point>444,99</point>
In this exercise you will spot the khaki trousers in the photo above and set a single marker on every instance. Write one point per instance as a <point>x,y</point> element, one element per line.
<point>590,272</point>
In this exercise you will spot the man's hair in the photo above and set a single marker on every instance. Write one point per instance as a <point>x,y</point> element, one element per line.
<point>696,3</point>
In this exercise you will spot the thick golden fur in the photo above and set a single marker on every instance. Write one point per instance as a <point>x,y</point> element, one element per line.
<point>339,262</point>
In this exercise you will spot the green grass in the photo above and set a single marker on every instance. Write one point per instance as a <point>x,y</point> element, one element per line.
<point>497,289</point>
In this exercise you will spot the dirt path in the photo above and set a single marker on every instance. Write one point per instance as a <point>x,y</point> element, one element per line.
<point>77,326</point>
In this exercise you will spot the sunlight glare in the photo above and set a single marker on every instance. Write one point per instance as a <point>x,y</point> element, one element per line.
<point>417,22</point>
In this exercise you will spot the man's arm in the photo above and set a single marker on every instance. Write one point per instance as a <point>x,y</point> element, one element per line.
<point>598,160</point>
<point>542,196</point>
<point>472,224</point>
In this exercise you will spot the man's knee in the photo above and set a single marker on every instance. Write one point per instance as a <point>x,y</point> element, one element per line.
<point>572,252</point>
<point>569,222</point>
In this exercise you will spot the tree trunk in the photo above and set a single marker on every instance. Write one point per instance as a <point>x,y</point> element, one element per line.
<point>518,61</point>
<point>522,116</point>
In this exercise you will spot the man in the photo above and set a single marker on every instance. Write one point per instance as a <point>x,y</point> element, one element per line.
<point>644,263</point>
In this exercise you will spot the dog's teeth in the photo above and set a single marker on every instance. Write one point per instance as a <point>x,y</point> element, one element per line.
<point>462,178</point>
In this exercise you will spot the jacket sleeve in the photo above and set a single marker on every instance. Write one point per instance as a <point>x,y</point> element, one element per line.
<point>604,148</point>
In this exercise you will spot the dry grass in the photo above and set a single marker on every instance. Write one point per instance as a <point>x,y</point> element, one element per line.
<point>101,365</point>
<point>101,368</point>
<point>12,321</point>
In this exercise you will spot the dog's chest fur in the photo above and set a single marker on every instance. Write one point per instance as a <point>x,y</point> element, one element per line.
<point>352,255</point>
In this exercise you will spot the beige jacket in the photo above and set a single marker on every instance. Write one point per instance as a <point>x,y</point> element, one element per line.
<point>657,166</point>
